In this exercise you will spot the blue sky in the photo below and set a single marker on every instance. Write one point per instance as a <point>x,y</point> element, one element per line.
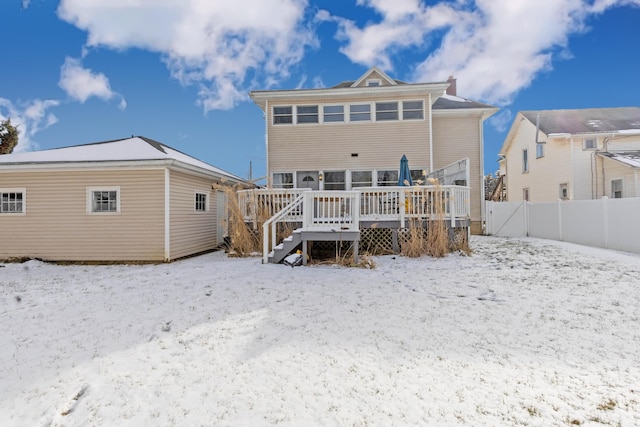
<point>179,71</point>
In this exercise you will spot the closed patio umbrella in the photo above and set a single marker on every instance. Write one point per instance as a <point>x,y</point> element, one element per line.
<point>404,176</point>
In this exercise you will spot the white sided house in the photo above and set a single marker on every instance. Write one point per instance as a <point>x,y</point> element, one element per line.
<point>126,200</point>
<point>578,154</point>
<point>351,137</point>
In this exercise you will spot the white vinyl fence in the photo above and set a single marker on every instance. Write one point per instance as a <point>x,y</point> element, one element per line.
<point>604,223</point>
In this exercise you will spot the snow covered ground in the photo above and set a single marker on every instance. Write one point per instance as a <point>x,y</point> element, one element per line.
<point>523,332</point>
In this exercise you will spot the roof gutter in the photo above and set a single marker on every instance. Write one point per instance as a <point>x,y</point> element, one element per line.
<point>260,97</point>
<point>116,164</point>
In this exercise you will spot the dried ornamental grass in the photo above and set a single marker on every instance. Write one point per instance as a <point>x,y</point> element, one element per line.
<point>437,236</point>
<point>243,240</point>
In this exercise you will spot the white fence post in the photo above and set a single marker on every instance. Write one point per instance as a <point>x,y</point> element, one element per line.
<point>605,220</point>
<point>560,219</point>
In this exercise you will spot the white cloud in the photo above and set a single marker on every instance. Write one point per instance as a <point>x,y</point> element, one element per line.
<point>82,83</point>
<point>494,48</point>
<point>30,118</point>
<point>216,45</point>
<point>502,120</point>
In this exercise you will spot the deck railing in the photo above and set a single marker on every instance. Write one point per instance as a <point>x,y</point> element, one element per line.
<point>325,209</point>
<point>258,205</point>
<point>344,210</point>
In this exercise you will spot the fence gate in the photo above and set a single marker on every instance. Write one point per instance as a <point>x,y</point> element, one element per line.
<point>506,219</point>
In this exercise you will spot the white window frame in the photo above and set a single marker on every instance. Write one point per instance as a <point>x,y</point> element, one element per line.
<point>332,115</point>
<point>330,183</point>
<point>23,192</point>
<point>353,114</point>
<point>374,82</point>
<point>406,110</point>
<point>390,182</point>
<point>621,190</point>
<point>92,190</point>
<point>394,114</point>
<point>525,160</point>
<point>204,205</point>
<point>586,144</point>
<point>360,183</point>
<point>539,151</point>
<point>300,115</point>
<point>283,183</point>
<point>274,115</point>
<point>564,191</point>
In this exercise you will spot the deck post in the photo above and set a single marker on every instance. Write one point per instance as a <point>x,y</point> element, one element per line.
<point>394,239</point>
<point>355,252</point>
<point>305,243</point>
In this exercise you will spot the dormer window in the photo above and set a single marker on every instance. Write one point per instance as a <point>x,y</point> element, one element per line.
<point>374,82</point>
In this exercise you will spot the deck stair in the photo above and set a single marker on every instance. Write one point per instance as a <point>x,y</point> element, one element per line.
<point>302,236</point>
<point>287,246</point>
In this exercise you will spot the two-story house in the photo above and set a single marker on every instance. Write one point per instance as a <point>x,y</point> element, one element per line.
<point>572,154</point>
<point>354,134</point>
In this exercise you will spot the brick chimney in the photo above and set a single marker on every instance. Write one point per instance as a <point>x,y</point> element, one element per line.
<point>451,90</point>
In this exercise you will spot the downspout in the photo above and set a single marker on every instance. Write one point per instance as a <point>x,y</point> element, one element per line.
<point>430,135</point>
<point>605,148</point>
<point>482,195</point>
<point>266,140</point>
<point>572,192</point>
<point>167,215</point>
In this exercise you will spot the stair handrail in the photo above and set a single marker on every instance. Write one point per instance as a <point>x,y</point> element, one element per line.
<point>273,221</point>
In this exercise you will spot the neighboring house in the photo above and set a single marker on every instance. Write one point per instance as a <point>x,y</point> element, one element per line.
<point>573,154</point>
<point>355,133</point>
<point>132,199</point>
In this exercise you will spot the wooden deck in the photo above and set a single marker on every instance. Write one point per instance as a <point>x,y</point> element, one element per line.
<point>331,211</point>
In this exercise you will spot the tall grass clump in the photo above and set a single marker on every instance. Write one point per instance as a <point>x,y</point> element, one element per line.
<point>246,237</point>
<point>435,241</point>
<point>243,240</point>
<point>415,244</point>
<point>437,236</point>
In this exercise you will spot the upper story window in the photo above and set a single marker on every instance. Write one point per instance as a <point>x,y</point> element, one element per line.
<point>374,82</point>
<point>282,115</point>
<point>103,200</point>
<point>307,114</point>
<point>589,144</point>
<point>360,112</point>
<point>525,160</point>
<point>333,113</point>
<point>539,150</point>
<point>12,201</point>
<point>386,111</point>
<point>201,202</point>
<point>412,110</point>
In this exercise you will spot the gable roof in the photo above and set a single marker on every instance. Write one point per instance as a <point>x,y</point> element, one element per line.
<point>136,148</point>
<point>631,158</point>
<point>351,90</point>
<point>374,71</point>
<point>451,102</point>
<point>586,121</point>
